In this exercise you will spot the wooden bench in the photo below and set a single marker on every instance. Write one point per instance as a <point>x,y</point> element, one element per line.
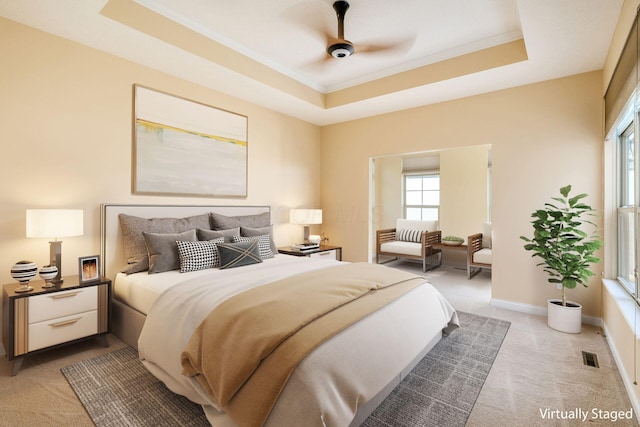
<point>389,244</point>
<point>479,251</point>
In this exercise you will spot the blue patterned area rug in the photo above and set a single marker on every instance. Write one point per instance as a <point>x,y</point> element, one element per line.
<point>117,390</point>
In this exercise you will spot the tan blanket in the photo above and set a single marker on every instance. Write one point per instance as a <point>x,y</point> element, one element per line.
<point>244,351</point>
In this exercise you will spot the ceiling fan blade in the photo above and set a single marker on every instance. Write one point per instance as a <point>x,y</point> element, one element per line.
<point>400,46</point>
<point>319,64</point>
<point>306,16</point>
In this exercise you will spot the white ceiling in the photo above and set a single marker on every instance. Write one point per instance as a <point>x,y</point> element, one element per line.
<point>562,37</point>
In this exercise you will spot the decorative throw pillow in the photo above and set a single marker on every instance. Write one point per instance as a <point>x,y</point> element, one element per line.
<point>264,244</point>
<point>407,235</point>
<point>163,250</point>
<point>486,235</point>
<point>239,254</point>
<point>214,234</point>
<point>135,248</point>
<point>199,255</point>
<point>223,222</point>
<point>250,232</point>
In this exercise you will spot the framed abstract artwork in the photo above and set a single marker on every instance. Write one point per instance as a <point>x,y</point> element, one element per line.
<point>186,148</point>
<point>89,268</point>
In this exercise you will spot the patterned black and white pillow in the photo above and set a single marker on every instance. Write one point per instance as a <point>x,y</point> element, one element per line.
<point>264,244</point>
<point>199,255</point>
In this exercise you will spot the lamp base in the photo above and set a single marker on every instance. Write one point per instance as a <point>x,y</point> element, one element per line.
<point>55,256</point>
<point>23,288</point>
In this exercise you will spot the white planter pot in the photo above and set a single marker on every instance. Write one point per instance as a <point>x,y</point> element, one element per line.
<point>564,318</point>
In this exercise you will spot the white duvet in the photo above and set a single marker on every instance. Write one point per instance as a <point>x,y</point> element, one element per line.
<point>331,383</point>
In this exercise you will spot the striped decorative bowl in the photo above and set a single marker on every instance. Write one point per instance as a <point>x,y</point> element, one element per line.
<point>23,271</point>
<point>47,273</point>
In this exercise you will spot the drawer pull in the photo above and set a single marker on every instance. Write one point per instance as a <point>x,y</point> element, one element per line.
<point>60,296</point>
<point>324,253</point>
<point>65,323</point>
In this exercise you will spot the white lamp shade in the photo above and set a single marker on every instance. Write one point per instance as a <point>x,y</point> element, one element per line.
<point>305,216</point>
<point>54,223</point>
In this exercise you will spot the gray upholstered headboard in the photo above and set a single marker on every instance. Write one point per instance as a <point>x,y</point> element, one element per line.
<point>112,244</point>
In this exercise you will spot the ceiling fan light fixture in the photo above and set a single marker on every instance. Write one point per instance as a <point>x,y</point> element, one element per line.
<point>340,50</point>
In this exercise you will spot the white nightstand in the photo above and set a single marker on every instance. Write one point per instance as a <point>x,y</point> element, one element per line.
<point>45,318</point>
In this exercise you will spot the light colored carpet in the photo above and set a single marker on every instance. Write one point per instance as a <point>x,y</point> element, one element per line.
<point>537,368</point>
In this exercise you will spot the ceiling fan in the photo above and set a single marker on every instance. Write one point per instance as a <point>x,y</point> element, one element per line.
<point>342,48</point>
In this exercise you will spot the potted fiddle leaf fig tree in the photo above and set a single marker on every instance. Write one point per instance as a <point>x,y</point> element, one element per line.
<point>566,252</point>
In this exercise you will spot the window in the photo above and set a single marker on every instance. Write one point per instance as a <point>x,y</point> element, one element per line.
<point>627,221</point>
<point>422,196</point>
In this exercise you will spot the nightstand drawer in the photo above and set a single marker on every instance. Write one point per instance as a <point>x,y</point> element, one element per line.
<point>63,329</point>
<point>332,254</point>
<point>65,303</point>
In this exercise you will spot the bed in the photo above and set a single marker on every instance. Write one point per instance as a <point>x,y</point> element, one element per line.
<point>338,383</point>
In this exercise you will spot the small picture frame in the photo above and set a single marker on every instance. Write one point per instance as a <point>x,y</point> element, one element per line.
<point>89,268</point>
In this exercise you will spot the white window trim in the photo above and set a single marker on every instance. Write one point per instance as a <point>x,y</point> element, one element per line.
<point>404,192</point>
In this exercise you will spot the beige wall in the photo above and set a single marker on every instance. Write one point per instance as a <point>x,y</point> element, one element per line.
<point>66,115</point>
<point>542,136</point>
<point>463,199</point>
<point>388,191</point>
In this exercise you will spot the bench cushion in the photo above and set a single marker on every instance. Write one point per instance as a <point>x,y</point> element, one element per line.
<point>400,247</point>
<point>483,256</point>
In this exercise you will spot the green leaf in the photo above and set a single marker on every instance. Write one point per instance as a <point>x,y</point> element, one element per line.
<point>565,190</point>
<point>575,199</point>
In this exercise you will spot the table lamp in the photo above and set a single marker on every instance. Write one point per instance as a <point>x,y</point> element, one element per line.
<point>305,217</point>
<point>55,223</point>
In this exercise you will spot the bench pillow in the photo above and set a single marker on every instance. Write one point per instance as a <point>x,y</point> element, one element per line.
<point>411,230</point>
<point>486,235</point>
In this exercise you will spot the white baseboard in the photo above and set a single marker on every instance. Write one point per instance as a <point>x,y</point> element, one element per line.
<point>537,310</point>
<point>626,380</point>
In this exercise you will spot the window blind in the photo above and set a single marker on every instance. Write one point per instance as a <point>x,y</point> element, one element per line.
<point>624,79</point>
<point>421,164</point>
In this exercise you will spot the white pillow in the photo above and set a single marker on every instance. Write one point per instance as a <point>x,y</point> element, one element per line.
<point>409,230</point>
<point>264,244</point>
<point>412,224</point>
<point>486,235</point>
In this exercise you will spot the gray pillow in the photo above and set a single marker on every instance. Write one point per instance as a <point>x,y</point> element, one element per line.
<point>132,227</point>
<point>223,222</point>
<point>251,232</point>
<point>238,254</point>
<point>137,267</point>
<point>163,250</point>
<point>214,234</point>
